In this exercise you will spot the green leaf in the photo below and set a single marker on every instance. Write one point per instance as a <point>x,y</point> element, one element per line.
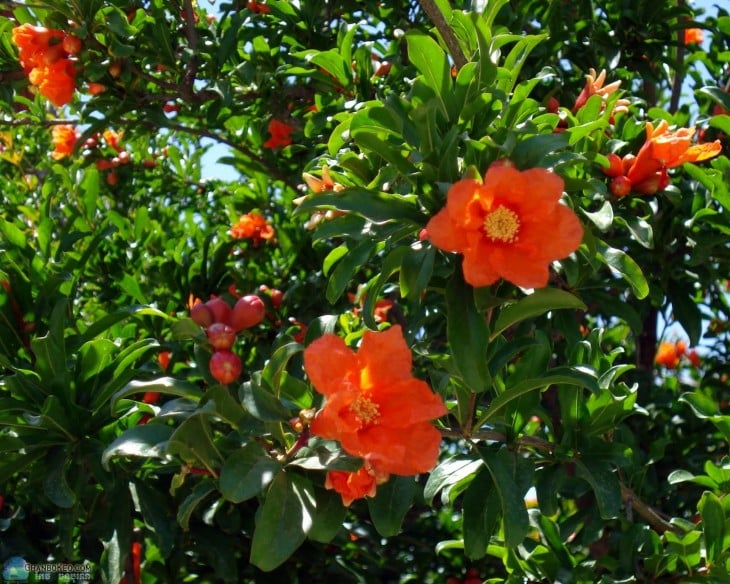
<point>539,302</point>
<point>55,484</point>
<point>164,385</point>
<point>686,311</point>
<point>449,472</point>
<point>247,472</point>
<point>557,375</point>
<point>330,515</point>
<point>12,234</point>
<point>481,510</point>
<point>376,206</point>
<point>261,403</point>
<point>467,333</point>
<point>504,472</point>
<point>391,503</point>
<point>283,522</point>
<point>622,263</point>
<point>713,524</point>
<point>430,60</point>
<point>276,366</point>
<point>158,517</point>
<point>600,476</point>
<point>146,441</point>
<point>416,271</point>
<point>192,441</point>
<point>333,63</point>
<point>346,268</point>
<point>200,491</point>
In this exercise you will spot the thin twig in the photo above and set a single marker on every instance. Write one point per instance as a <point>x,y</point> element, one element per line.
<point>433,12</point>
<point>648,513</point>
<point>679,70</point>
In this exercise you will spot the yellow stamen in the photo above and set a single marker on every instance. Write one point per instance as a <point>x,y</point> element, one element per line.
<point>502,224</point>
<point>365,410</point>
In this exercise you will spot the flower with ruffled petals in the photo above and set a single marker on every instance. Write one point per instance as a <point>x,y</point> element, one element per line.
<point>355,485</point>
<point>693,36</point>
<point>64,137</point>
<point>667,356</point>
<point>664,149</point>
<point>253,226</point>
<point>34,44</point>
<point>280,134</point>
<point>44,57</point>
<point>56,81</point>
<point>375,408</point>
<point>510,226</point>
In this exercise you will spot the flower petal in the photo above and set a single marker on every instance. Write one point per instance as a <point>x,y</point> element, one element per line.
<point>445,233</point>
<point>330,364</point>
<point>405,451</point>
<point>384,358</point>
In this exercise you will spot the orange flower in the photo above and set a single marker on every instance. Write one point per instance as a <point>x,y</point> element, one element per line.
<point>667,355</point>
<point>55,81</point>
<point>693,36</point>
<point>34,42</point>
<point>511,226</point>
<point>280,134</point>
<point>258,7</point>
<point>355,485</point>
<point>254,227</point>
<point>45,59</point>
<point>375,408</point>
<point>95,88</point>
<point>664,149</point>
<point>594,86</point>
<point>113,138</point>
<point>64,139</point>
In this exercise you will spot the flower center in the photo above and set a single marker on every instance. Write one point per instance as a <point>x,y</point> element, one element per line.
<point>502,224</point>
<point>365,410</point>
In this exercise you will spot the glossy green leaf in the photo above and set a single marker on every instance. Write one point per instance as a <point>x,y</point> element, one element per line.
<point>430,60</point>
<point>146,441</point>
<point>346,268</point>
<point>193,441</point>
<point>391,503</point>
<point>375,206</point>
<point>164,385</point>
<point>330,515</point>
<point>536,304</point>
<point>481,510</point>
<point>622,264</point>
<point>468,334</point>
<point>199,493</point>
<point>502,470</point>
<point>713,524</point>
<point>600,476</point>
<point>247,472</point>
<point>283,522</point>
<point>555,376</point>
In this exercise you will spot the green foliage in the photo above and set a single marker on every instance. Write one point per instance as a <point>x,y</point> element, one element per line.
<point>576,447</point>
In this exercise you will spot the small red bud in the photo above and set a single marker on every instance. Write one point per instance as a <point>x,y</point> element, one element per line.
<point>620,186</point>
<point>615,165</point>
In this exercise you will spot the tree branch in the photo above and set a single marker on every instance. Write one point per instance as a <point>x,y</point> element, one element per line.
<point>445,30</point>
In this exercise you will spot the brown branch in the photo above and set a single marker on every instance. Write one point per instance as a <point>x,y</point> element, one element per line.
<point>646,512</point>
<point>204,133</point>
<point>679,71</point>
<point>14,123</point>
<point>188,88</point>
<point>446,32</point>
